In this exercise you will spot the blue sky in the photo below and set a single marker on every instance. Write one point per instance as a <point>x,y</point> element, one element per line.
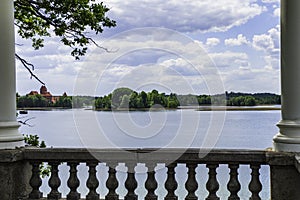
<point>168,45</point>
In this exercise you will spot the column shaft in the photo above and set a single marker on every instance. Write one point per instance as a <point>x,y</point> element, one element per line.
<point>288,138</point>
<point>9,135</point>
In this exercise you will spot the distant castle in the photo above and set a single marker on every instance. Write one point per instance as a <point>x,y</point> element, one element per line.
<point>44,92</point>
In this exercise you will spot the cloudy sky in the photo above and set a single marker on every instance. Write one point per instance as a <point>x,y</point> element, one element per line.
<point>182,46</point>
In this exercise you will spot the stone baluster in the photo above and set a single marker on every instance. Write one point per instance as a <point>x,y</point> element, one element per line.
<point>131,183</point>
<point>35,182</point>
<point>73,182</point>
<point>151,183</point>
<point>233,185</point>
<point>54,182</point>
<point>92,182</point>
<point>191,184</point>
<point>112,183</point>
<point>171,183</point>
<point>212,184</point>
<point>255,185</point>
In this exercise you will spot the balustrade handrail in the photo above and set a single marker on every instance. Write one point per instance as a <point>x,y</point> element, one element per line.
<point>203,156</point>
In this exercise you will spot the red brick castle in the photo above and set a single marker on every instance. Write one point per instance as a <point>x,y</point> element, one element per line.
<point>44,92</point>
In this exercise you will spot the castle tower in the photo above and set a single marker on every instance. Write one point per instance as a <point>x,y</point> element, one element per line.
<point>43,90</point>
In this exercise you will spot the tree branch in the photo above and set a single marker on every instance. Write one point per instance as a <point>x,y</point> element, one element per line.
<point>29,67</point>
<point>25,122</point>
<point>72,32</point>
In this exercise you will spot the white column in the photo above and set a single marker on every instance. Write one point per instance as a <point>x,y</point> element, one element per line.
<point>9,135</point>
<point>288,138</point>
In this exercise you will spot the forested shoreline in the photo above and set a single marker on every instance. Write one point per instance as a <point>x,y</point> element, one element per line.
<point>127,99</point>
<point>38,101</point>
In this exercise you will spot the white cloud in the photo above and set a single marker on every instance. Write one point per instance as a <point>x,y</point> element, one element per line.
<point>263,42</point>
<point>240,40</point>
<point>275,35</point>
<point>269,44</point>
<point>230,60</point>
<point>270,1</point>
<point>276,12</point>
<point>180,67</point>
<point>243,80</point>
<point>212,41</point>
<point>178,60</point>
<point>183,16</point>
<point>272,62</point>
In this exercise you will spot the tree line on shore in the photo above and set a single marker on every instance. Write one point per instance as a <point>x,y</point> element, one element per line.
<point>125,98</point>
<point>38,101</point>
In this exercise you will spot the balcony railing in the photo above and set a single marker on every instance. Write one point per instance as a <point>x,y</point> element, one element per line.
<point>171,158</point>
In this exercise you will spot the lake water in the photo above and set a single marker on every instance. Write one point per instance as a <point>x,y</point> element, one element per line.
<point>174,128</point>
